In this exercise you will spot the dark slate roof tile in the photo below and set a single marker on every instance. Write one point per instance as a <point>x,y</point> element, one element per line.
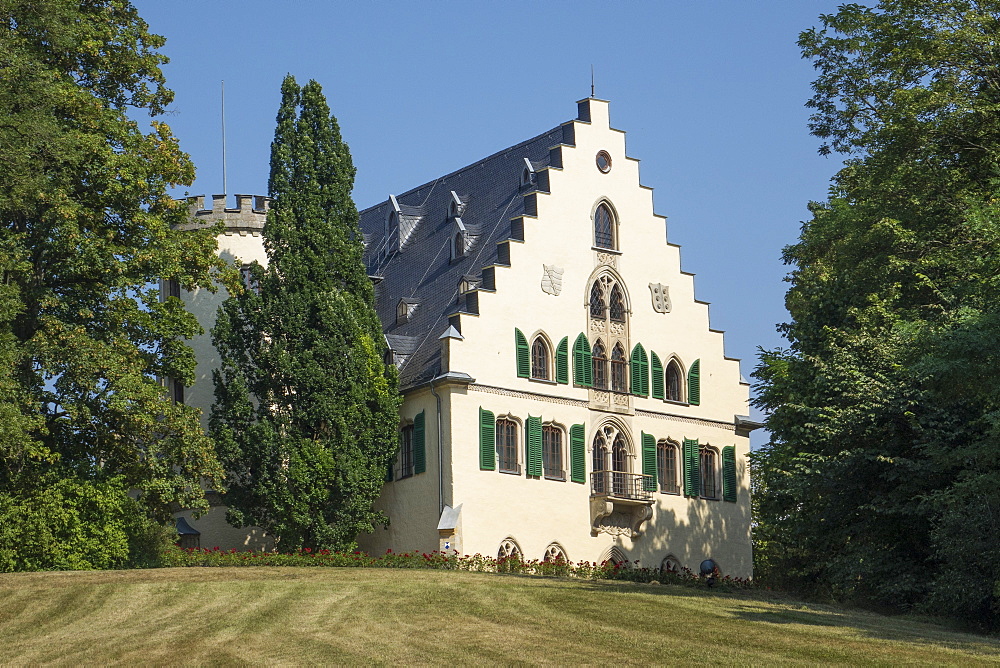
<point>424,270</point>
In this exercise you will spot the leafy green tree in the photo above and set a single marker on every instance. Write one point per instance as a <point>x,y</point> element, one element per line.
<point>306,411</point>
<point>86,231</point>
<point>882,413</point>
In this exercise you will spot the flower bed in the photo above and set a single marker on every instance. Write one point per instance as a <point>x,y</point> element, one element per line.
<point>477,563</point>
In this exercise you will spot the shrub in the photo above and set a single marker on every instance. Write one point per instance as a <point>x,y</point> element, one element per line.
<point>475,563</point>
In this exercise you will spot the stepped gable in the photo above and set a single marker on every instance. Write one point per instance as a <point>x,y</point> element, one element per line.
<point>424,271</point>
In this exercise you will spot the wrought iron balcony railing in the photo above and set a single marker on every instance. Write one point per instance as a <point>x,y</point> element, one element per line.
<point>621,485</point>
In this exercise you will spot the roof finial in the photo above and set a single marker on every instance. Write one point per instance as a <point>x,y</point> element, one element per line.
<point>591,81</point>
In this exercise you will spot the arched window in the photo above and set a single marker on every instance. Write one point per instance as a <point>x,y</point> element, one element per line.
<point>604,228</point>
<point>554,553</point>
<point>599,358</point>
<point>506,439</point>
<point>600,463</point>
<point>459,245</point>
<point>670,564</point>
<point>617,304</point>
<point>709,488</point>
<point>552,458</point>
<point>597,306</point>
<point>619,369</point>
<point>674,376</point>
<point>508,550</point>
<point>619,465</point>
<point>539,359</point>
<point>666,467</point>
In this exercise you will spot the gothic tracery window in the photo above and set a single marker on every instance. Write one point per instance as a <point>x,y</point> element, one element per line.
<point>619,369</point>
<point>597,306</point>
<point>599,360</point>
<point>617,309</point>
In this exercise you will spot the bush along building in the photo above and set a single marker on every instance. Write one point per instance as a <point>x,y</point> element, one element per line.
<point>564,394</point>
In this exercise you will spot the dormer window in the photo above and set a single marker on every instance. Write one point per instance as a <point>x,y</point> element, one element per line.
<point>468,284</point>
<point>404,310</point>
<point>456,206</point>
<point>459,239</point>
<point>527,174</point>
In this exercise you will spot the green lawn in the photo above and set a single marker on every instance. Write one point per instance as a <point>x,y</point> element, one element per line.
<point>333,615</point>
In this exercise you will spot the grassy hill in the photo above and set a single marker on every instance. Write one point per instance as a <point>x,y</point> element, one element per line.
<point>332,615</point>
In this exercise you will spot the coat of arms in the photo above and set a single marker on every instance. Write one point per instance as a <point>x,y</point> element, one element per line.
<point>552,279</point>
<point>661,297</point>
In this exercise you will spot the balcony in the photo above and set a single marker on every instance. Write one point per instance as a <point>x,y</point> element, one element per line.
<point>619,503</point>
<point>620,486</point>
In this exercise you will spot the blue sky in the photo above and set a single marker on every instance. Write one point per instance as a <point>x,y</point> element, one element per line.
<point>710,93</point>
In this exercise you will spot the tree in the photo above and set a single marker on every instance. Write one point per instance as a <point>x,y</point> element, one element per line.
<point>86,232</point>
<point>883,416</point>
<point>306,411</point>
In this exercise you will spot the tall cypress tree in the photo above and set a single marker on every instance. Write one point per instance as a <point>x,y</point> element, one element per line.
<point>306,411</point>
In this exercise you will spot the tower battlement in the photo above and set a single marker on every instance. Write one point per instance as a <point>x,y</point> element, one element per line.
<point>248,216</point>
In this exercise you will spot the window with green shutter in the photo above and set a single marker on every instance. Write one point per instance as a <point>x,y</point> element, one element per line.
<point>583,372</point>
<point>523,354</point>
<point>694,383</point>
<point>640,371</point>
<point>648,462</point>
<point>487,440</point>
<point>562,361</point>
<point>656,375</point>
<point>692,467</point>
<point>729,473</point>
<point>419,450</point>
<point>577,454</point>
<point>533,445</point>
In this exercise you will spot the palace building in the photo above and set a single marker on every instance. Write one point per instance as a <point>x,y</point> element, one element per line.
<point>564,393</point>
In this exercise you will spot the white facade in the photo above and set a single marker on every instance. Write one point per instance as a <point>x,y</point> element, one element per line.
<point>458,356</point>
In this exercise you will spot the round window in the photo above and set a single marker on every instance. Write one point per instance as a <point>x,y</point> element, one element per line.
<point>604,161</point>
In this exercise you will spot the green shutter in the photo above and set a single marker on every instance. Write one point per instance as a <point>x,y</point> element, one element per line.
<point>694,383</point>
<point>640,371</point>
<point>523,355</point>
<point>577,454</point>
<point>729,473</point>
<point>649,462</point>
<point>487,440</point>
<point>562,361</point>
<point>533,445</point>
<point>656,370</point>
<point>419,451</point>
<point>692,467</point>
<point>583,368</point>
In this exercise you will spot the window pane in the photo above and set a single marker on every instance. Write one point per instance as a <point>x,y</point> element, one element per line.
<point>603,237</point>
<point>619,370</point>
<point>539,360</point>
<point>506,435</point>
<point>673,382</point>
<point>617,304</point>
<point>597,306</point>
<point>708,473</point>
<point>406,452</point>
<point>599,359</point>
<point>552,452</point>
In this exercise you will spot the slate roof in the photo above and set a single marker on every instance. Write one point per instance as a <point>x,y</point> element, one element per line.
<point>423,270</point>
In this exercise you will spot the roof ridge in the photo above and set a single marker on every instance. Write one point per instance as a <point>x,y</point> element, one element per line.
<point>437,179</point>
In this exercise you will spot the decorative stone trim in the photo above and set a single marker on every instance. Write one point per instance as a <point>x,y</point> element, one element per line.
<point>504,392</point>
<point>609,259</point>
<point>718,424</point>
<point>548,398</point>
